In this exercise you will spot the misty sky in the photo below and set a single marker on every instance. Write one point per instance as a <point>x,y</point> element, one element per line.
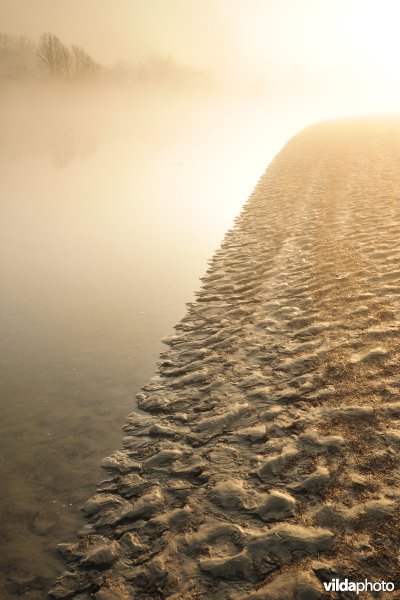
<point>289,46</point>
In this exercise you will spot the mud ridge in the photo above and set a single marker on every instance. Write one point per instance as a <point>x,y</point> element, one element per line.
<point>266,456</point>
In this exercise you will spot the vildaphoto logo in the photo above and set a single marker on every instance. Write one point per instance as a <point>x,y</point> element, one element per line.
<point>336,585</point>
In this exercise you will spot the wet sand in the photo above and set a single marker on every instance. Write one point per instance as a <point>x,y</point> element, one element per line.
<point>265,459</point>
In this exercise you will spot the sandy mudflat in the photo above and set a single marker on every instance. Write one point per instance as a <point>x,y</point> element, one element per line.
<point>266,458</point>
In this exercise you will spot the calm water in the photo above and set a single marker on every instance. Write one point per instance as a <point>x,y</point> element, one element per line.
<point>110,209</point>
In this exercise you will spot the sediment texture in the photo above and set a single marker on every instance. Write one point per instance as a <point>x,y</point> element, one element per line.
<point>266,456</point>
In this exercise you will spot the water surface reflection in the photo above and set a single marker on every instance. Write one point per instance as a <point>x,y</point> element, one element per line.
<point>109,213</point>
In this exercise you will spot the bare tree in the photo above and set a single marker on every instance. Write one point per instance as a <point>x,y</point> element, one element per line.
<point>23,45</point>
<point>83,64</point>
<point>53,56</point>
<point>6,44</point>
<point>17,55</point>
<point>66,61</point>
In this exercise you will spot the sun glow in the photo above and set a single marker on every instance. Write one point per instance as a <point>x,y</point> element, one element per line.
<point>372,30</point>
<point>373,51</point>
<point>344,52</point>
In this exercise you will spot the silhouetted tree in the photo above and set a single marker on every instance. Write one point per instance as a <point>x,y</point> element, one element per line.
<point>17,55</point>
<point>83,64</point>
<point>54,57</point>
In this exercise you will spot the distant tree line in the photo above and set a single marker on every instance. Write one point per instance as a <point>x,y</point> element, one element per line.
<point>164,70</point>
<point>22,58</point>
<point>19,56</point>
<point>61,61</point>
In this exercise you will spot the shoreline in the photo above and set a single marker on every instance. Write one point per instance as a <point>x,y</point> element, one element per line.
<point>264,461</point>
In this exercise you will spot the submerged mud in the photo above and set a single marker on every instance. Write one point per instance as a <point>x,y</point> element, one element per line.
<point>265,459</point>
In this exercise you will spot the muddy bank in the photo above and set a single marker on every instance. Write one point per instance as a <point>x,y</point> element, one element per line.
<point>265,459</point>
